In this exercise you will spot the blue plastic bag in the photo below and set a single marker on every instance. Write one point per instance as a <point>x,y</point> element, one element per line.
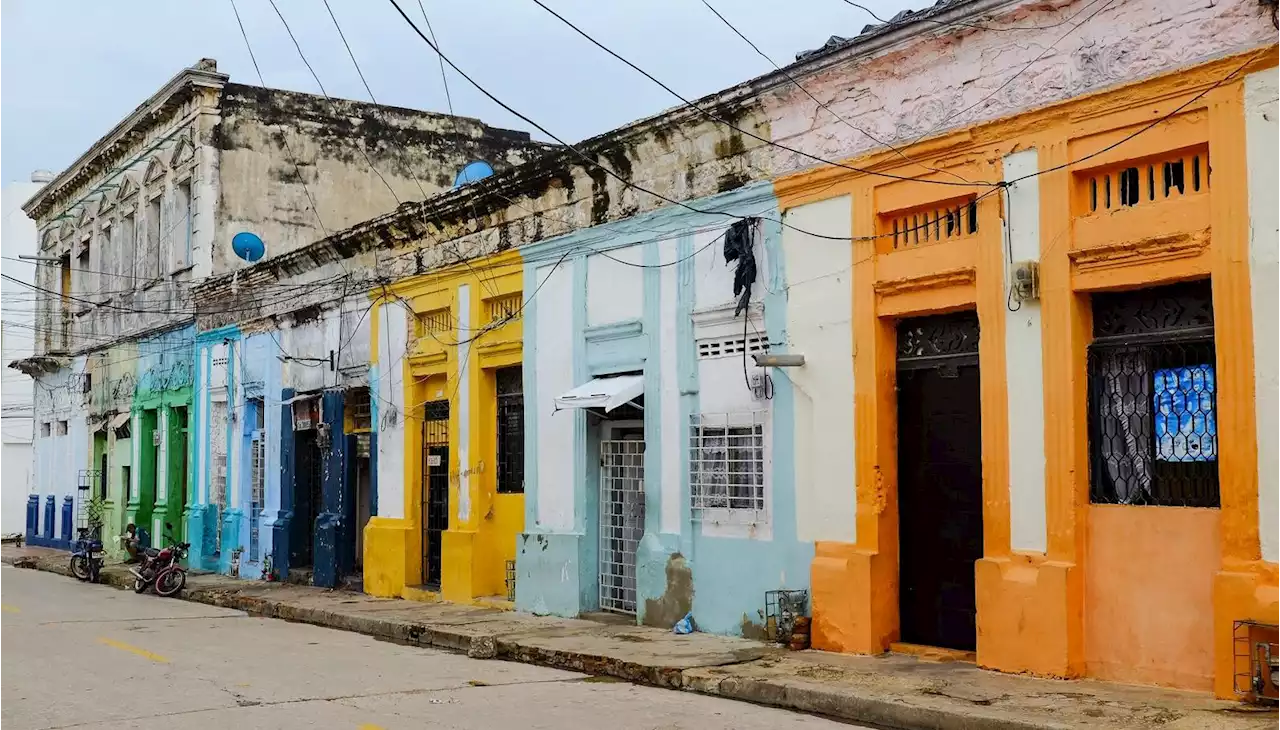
<point>684,625</point>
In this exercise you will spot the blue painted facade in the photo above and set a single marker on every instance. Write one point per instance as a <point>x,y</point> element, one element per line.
<point>671,251</point>
<point>243,416</point>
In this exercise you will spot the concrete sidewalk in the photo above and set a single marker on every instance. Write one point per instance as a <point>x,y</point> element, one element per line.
<point>890,691</point>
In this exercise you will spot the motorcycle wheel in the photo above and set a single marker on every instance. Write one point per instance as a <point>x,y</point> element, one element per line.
<point>170,583</point>
<point>139,585</point>
<point>95,570</point>
<point>80,567</point>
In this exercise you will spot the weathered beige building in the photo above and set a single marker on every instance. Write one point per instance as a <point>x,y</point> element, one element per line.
<point>151,208</point>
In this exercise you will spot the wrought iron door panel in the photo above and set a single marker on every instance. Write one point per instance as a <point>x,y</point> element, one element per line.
<point>435,488</point>
<point>939,485</point>
<point>621,522</point>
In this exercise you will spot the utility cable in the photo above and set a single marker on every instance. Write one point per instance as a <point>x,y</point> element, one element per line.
<point>720,120</point>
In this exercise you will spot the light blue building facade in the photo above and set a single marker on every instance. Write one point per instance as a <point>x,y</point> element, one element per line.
<point>679,495</point>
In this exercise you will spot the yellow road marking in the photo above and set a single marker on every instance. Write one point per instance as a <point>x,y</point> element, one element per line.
<point>9,609</point>
<point>132,649</point>
<point>368,726</point>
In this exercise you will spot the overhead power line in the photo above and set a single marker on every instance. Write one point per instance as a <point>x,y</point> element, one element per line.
<point>726,123</point>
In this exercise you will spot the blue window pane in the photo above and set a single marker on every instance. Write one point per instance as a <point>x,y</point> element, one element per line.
<point>1186,424</point>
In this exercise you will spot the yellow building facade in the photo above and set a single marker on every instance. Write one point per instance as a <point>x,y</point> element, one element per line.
<point>449,348</point>
<point>1140,191</point>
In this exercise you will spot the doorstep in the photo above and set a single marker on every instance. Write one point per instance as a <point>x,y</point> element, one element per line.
<point>891,690</point>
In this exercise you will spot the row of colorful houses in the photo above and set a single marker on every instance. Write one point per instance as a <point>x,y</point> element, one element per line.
<point>993,378</point>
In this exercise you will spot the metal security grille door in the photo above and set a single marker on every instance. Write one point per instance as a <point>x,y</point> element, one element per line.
<point>218,467</point>
<point>258,457</point>
<point>621,521</point>
<point>435,487</point>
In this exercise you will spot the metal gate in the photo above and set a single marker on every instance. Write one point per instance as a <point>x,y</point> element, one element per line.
<point>217,471</point>
<point>435,487</point>
<point>621,522</point>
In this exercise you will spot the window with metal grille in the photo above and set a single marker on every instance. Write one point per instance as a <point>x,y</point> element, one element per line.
<point>510,387</point>
<point>361,406</point>
<point>732,346</point>
<point>1153,434</point>
<point>937,223</point>
<point>726,463</point>
<point>1168,176</point>
<point>503,308</point>
<point>435,321</point>
<point>257,476</point>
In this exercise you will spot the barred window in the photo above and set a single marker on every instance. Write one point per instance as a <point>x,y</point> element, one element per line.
<point>1153,431</point>
<point>360,403</point>
<point>510,386</point>
<point>726,463</point>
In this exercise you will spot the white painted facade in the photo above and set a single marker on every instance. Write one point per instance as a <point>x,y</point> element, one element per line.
<point>1025,364</point>
<point>1262,129</point>
<point>17,341</point>
<point>386,379</point>
<point>553,358</point>
<point>819,273</point>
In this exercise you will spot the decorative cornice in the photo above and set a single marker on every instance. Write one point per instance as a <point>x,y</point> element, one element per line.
<point>499,348</point>
<point>1141,251</point>
<point>938,280</point>
<point>614,331</point>
<point>127,132</point>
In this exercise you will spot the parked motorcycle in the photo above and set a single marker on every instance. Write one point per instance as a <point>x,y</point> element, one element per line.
<point>86,556</point>
<point>160,568</point>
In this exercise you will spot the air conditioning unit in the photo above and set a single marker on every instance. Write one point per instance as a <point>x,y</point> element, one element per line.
<point>1026,280</point>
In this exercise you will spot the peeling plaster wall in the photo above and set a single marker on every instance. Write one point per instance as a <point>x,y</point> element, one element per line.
<point>940,80</point>
<point>283,152</point>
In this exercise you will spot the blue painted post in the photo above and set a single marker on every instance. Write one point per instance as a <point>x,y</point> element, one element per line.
<point>280,530</point>
<point>50,511</point>
<point>33,518</point>
<point>68,520</point>
<point>330,527</point>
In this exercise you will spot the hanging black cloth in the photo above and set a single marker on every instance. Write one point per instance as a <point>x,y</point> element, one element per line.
<point>737,247</point>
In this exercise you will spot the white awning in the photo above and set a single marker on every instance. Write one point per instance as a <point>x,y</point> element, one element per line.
<point>120,420</point>
<point>607,393</point>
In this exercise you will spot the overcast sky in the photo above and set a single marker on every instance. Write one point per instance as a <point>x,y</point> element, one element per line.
<point>71,69</point>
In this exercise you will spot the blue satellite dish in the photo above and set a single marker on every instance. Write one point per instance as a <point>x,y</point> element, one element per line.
<point>474,171</point>
<point>248,246</point>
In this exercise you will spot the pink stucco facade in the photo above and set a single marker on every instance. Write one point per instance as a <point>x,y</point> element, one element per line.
<point>940,79</point>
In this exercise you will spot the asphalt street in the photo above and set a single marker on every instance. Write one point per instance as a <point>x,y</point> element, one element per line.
<point>83,656</point>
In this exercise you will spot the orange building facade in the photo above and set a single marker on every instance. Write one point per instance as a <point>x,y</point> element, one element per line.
<point>1064,477</point>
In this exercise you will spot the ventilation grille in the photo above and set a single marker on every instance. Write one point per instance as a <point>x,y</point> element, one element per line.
<point>732,346</point>
<point>939,223</point>
<point>1163,178</point>
<point>435,321</point>
<point>506,307</point>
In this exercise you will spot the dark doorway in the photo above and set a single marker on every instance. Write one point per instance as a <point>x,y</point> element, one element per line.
<point>307,480</point>
<point>435,487</point>
<point>939,479</point>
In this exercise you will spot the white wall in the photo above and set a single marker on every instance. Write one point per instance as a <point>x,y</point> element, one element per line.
<point>553,360</point>
<point>387,381</point>
<point>1261,131</point>
<point>1023,358</point>
<point>615,291</point>
<point>17,341</point>
<point>819,276</point>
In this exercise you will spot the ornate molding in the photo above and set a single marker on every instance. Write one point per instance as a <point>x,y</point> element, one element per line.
<point>1141,251</point>
<point>614,331</point>
<point>499,348</point>
<point>938,280</point>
